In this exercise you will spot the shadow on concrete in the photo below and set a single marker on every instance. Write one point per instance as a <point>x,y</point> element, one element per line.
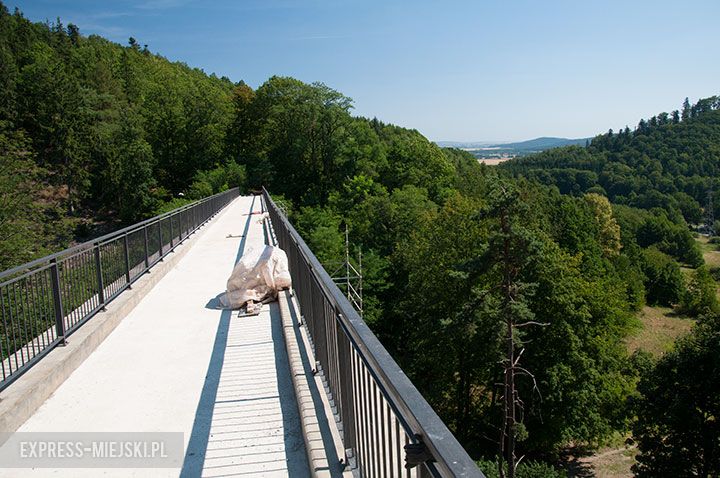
<point>335,466</point>
<point>200,435</point>
<point>231,387</point>
<point>293,439</point>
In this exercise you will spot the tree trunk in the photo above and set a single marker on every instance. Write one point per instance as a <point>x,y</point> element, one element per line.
<point>509,405</point>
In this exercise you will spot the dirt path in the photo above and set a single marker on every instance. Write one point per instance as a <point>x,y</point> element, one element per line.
<point>608,463</point>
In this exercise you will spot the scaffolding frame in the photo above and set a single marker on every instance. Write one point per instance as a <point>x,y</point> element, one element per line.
<point>349,277</point>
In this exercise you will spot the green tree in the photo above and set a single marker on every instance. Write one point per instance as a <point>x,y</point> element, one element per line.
<point>677,430</point>
<point>19,233</point>
<point>512,247</point>
<point>128,174</point>
<point>608,229</point>
<point>664,282</point>
<point>701,294</point>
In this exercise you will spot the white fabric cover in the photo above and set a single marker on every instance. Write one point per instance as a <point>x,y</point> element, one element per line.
<point>259,275</point>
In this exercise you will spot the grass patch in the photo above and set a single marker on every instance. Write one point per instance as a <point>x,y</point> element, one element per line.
<point>710,252</point>
<point>661,326</point>
<point>607,462</point>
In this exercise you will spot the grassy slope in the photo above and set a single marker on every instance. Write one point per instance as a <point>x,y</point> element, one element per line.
<point>661,326</point>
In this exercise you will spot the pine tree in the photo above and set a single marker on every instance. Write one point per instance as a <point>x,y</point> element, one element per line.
<point>686,109</point>
<point>512,247</point>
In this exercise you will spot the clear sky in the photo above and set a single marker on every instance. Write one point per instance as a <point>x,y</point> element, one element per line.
<point>454,70</point>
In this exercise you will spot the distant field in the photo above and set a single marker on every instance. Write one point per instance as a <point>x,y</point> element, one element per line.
<point>492,161</point>
<point>660,328</point>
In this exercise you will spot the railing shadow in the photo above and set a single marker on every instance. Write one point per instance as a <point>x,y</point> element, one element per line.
<point>238,421</point>
<point>336,468</point>
<point>200,435</point>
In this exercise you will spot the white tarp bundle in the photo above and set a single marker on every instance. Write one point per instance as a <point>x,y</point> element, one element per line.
<point>259,275</point>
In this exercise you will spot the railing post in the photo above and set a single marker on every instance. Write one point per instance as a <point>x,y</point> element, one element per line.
<point>127,259</point>
<point>180,226</point>
<point>160,253</point>
<point>170,218</point>
<point>99,276</point>
<point>57,301</point>
<point>147,249</point>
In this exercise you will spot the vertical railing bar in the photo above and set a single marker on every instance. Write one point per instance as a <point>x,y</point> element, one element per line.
<point>28,311</point>
<point>49,310</point>
<point>126,249</point>
<point>62,289</point>
<point>407,442</point>
<point>69,309</point>
<point>391,442</point>
<point>362,449</point>
<point>79,280</point>
<point>92,286</point>
<point>32,303</point>
<point>146,248</point>
<point>160,240</point>
<point>89,282</point>
<point>366,417</point>
<point>44,313</point>
<point>57,301</point>
<point>77,277</point>
<point>6,336</point>
<point>75,306</point>
<point>170,219</point>
<point>66,292</point>
<point>332,360</point>
<point>82,289</point>
<point>2,352</point>
<point>383,435</point>
<point>348,411</point>
<point>376,429</point>
<point>22,324</point>
<point>99,275</point>
<point>37,332</point>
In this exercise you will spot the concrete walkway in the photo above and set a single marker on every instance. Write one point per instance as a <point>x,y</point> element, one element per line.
<point>178,364</point>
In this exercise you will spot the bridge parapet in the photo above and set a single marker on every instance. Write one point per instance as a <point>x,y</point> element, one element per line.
<point>46,300</point>
<point>387,427</point>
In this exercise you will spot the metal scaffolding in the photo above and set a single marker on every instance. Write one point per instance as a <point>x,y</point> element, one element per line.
<point>348,277</point>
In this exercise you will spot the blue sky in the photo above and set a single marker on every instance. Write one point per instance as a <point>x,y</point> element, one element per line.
<point>454,70</point>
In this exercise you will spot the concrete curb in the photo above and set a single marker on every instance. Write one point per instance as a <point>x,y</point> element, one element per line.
<point>315,445</point>
<point>22,398</point>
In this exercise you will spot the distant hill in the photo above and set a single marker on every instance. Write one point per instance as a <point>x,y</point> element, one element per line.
<point>670,161</point>
<point>495,150</point>
<point>540,144</point>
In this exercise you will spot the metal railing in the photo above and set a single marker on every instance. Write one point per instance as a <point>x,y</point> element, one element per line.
<point>46,300</point>
<point>387,427</point>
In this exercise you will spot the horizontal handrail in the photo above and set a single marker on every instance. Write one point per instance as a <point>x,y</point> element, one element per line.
<point>111,235</point>
<point>358,369</point>
<point>44,301</point>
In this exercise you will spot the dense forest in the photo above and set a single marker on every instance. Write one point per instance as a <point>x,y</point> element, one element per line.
<point>483,283</point>
<point>94,135</point>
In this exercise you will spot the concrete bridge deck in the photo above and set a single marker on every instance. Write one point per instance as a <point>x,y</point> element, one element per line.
<point>176,363</point>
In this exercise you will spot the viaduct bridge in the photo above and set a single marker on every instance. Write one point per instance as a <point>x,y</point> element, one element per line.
<point>124,336</point>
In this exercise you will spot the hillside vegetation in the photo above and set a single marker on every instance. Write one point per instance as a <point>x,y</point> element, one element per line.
<point>494,293</point>
<point>662,177</point>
